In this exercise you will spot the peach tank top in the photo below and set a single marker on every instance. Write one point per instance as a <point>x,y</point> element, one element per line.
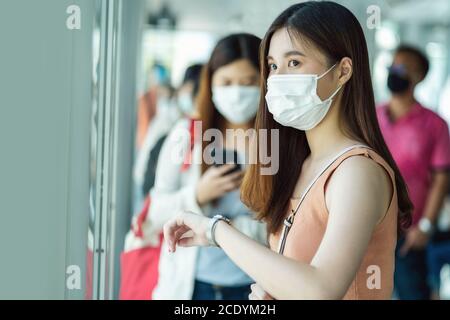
<point>310,222</point>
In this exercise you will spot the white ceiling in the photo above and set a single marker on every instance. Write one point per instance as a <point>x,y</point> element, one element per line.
<point>223,16</point>
<point>421,11</point>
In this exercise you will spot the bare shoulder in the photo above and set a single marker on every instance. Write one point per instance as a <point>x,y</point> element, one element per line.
<point>361,181</point>
<point>362,168</point>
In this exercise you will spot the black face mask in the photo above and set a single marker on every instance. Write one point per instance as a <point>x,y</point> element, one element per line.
<point>397,83</point>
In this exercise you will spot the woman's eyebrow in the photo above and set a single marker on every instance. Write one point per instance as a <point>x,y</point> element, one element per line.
<point>289,53</point>
<point>249,77</point>
<point>294,53</point>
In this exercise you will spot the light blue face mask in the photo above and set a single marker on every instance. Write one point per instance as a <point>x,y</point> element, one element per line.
<point>293,101</point>
<point>185,103</point>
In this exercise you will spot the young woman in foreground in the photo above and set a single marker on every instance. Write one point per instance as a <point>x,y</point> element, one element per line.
<point>335,206</point>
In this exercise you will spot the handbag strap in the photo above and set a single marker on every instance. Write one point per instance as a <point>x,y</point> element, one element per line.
<point>287,224</point>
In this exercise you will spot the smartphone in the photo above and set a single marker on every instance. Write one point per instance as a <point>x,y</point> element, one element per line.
<point>226,156</point>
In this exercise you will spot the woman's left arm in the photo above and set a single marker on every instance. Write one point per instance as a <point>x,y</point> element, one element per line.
<point>357,195</point>
<point>252,228</point>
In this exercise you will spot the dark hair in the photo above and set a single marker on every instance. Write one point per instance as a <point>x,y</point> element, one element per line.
<point>335,31</point>
<point>420,57</point>
<point>192,74</point>
<point>228,50</point>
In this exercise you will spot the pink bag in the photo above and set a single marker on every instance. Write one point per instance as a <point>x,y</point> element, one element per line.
<point>139,267</point>
<point>140,259</point>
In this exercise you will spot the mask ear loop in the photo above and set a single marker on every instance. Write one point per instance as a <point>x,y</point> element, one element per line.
<point>337,90</point>
<point>324,74</point>
<point>334,93</point>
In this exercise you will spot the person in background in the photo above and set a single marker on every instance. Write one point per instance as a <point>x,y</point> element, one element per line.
<point>157,114</point>
<point>157,94</point>
<point>419,142</point>
<point>145,168</point>
<point>187,92</point>
<point>228,99</point>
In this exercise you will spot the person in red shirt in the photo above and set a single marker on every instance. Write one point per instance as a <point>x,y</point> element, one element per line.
<point>420,144</point>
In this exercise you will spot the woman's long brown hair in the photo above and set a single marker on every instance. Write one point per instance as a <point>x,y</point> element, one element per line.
<point>336,32</point>
<point>229,49</point>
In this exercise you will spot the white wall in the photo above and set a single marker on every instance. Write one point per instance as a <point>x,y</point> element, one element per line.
<point>45,109</point>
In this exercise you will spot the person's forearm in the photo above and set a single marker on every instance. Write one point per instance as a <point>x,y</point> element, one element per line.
<point>256,230</point>
<point>436,196</point>
<point>281,277</point>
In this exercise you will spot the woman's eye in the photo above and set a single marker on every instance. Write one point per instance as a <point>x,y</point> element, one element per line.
<point>272,67</point>
<point>293,63</point>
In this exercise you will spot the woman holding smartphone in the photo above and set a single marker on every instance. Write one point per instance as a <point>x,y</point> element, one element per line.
<point>337,202</point>
<point>228,99</point>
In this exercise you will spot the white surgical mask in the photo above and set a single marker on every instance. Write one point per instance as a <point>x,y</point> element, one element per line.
<point>293,101</point>
<point>238,104</point>
<point>166,109</point>
<point>163,103</point>
<point>185,103</point>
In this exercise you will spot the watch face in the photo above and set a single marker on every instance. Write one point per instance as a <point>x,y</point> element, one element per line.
<point>425,225</point>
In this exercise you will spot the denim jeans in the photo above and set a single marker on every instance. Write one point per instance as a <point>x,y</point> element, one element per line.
<point>438,256</point>
<point>411,273</point>
<point>207,291</point>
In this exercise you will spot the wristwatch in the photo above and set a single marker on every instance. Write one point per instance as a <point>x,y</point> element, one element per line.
<point>425,225</point>
<point>212,228</point>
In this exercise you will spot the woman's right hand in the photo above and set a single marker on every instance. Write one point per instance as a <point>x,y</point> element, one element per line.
<point>258,293</point>
<point>215,182</point>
